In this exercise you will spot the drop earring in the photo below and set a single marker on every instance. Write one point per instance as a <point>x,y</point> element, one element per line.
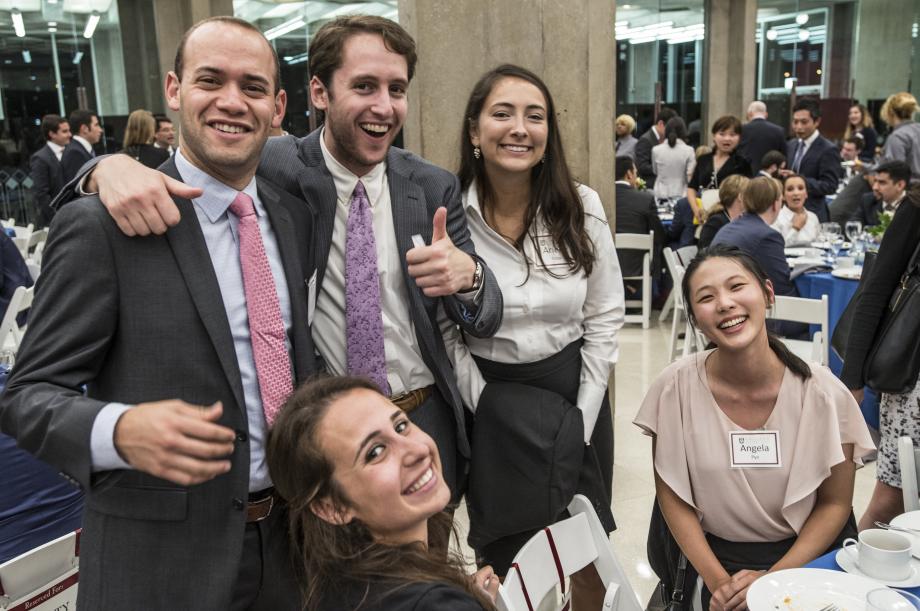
<point>476,152</point>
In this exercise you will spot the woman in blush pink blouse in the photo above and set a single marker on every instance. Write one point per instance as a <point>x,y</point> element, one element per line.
<point>755,451</point>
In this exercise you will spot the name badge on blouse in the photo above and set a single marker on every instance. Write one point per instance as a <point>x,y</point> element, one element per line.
<point>755,449</point>
<point>550,253</point>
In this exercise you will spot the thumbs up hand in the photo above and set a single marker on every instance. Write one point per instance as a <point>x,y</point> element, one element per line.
<point>440,268</point>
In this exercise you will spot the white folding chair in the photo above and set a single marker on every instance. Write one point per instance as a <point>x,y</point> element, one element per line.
<point>685,254</point>
<point>21,239</point>
<point>34,269</point>
<point>42,578</point>
<point>10,222</point>
<point>908,458</point>
<point>36,239</point>
<point>560,550</point>
<point>38,253</point>
<point>10,331</point>
<point>646,243</point>
<point>811,311</point>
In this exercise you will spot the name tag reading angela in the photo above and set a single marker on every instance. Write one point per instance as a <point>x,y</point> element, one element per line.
<point>755,449</point>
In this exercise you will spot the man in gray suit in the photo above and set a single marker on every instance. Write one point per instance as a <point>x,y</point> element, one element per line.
<point>428,276</point>
<point>177,339</point>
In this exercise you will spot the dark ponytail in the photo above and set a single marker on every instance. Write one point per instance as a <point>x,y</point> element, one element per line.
<point>790,360</point>
<point>675,128</point>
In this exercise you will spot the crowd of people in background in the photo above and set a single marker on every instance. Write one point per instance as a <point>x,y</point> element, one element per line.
<point>340,366</point>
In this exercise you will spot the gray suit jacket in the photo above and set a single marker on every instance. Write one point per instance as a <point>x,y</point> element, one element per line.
<point>135,320</point>
<point>417,189</point>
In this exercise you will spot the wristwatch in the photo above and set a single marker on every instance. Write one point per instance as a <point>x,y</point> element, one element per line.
<point>477,277</point>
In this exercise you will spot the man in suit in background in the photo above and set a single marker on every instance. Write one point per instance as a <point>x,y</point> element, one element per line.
<point>759,136</point>
<point>86,133</point>
<point>389,330</point>
<point>813,156</point>
<point>636,213</point>
<point>165,135</point>
<point>45,166</point>
<point>651,138</point>
<point>888,191</point>
<point>187,344</point>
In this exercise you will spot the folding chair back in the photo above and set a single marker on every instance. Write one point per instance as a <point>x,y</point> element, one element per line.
<point>909,458</point>
<point>642,242</point>
<point>811,311</point>
<point>10,331</point>
<point>42,576</point>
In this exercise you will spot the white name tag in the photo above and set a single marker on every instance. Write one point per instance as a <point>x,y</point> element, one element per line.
<point>754,449</point>
<point>550,253</point>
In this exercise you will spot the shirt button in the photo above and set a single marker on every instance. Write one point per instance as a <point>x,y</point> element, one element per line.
<point>238,504</point>
<point>242,437</point>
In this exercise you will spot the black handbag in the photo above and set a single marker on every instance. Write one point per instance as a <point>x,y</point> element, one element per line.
<point>893,363</point>
<point>842,330</point>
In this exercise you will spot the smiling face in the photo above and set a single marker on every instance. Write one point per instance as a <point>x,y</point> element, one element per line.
<point>512,128</point>
<point>848,152</point>
<point>728,303</point>
<point>795,193</point>
<point>726,140</point>
<point>62,136</point>
<point>92,132</point>
<point>226,101</point>
<point>365,103</point>
<point>387,468</point>
<point>855,116</point>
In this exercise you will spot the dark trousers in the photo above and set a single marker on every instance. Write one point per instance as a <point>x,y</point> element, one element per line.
<point>436,417</point>
<point>267,578</point>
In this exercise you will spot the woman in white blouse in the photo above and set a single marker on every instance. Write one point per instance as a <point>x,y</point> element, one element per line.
<point>673,161</point>
<point>547,240</point>
<point>798,225</point>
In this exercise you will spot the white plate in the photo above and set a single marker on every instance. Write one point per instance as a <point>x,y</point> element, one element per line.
<point>795,262</point>
<point>848,564</point>
<point>808,590</point>
<point>849,273</point>
<point>803,251</point>
<point>911,519</point>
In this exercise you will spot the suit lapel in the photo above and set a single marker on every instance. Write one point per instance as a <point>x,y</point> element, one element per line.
<point>283,227</point>
<point>318,188</point>
<point>194,261</point>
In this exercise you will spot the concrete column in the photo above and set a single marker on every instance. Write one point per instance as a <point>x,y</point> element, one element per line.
<point>729,59</point>
<point>172,18</point>
<point>569,44</point>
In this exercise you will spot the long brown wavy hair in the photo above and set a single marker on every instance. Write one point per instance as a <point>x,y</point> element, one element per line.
<point>553,194</point>
<point>328,555</point>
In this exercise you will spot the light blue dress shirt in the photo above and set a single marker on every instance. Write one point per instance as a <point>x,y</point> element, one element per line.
<point>220,229</point>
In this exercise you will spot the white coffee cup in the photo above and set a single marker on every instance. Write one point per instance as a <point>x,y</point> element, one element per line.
<point>845,262</point>
<point>881,554</point>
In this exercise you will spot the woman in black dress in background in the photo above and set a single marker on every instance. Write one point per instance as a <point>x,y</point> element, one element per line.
<point>724,161</point>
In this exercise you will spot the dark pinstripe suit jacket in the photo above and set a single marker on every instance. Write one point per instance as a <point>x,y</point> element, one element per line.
<point>417,189</point>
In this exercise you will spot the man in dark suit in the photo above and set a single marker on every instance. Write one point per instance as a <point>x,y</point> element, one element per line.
<point>86,133</point>
<point>165,135</point>
<point>888,191</point>
<point>422,287</point>
<point>187,344</point>
<point>45,167</point>
<point>651,138</point>
<point>813,156</point>
<point>759,136</point>
<point>636,213</point>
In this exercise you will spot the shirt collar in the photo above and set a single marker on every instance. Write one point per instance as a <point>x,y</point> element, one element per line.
<point>345,180</point>
<point>216,197</point>
<point>57,149</point>
<point>84,142</point>
<point>894,205</point>
<point>625,183</point>
<point>814,136</point>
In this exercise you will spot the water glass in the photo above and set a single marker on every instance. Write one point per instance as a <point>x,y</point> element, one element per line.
<point>853,229</point>
<point>889,599</point>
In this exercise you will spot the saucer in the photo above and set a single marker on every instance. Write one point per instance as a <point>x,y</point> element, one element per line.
<point>848,564</point>
<point>849,273</point>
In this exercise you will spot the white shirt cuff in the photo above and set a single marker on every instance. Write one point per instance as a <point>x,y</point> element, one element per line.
<point>471,298</point>
<point>102,441</point>
<point>80,190</point>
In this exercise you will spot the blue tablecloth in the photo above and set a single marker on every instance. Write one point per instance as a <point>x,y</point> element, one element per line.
<point>839,291</point>
<point>827,561</point>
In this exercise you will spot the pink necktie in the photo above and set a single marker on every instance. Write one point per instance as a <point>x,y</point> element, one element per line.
<point>266,327</point>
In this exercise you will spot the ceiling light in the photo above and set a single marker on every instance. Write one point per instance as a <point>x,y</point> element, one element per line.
<point>284,28</point>
<point>18,25</point>
<point>52,23</point>
<point>801,19</point>
<point>771,34</point>
<point>804,34</point>
<point>26,56</point>
<point>77,57</point>
<point>91,24</point>
<point>52,29</point>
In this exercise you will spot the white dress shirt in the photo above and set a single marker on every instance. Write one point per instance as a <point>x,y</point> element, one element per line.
<point>808,142</point>
<point>545,314</point>
<point>84,142</point>
<point>406,370</point>
<point>797,237</point>
<point>57,149</point>
<point>220,229</point>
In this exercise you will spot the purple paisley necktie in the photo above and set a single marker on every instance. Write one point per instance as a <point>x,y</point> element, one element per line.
<point>365,353</point>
